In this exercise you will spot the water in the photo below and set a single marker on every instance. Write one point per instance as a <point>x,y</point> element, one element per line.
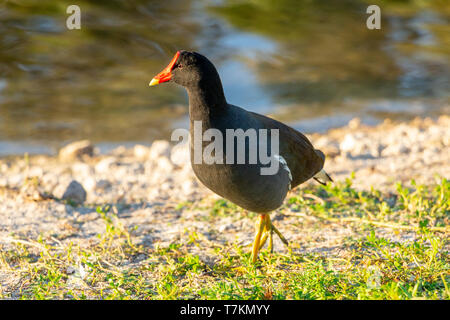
<point>312,64</point>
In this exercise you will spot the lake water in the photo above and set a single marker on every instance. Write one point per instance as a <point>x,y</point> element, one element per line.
<point>311,64</point>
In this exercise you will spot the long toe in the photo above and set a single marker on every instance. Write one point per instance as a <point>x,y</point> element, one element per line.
<point>282,238</point>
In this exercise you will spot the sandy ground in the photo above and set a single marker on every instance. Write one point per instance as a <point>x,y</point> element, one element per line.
<point>147,186</point>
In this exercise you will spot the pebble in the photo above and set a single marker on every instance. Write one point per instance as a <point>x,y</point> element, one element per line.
<point>329,147</point>
<point>120,151</point>
<point>89,183</point>
<point>180,155</point>
<point>70,270</point>
<point>4,167</point>
<point>49,180</point>
<point>76,150</point>
<point>105,164</point>
<point>103,184</point>
<point>80,169</point>
<point>75,192</point>
<point>355,123</point>
<point>158,149</point>
<point>35,172</point>
<point>348,144</point>
<point>32,191</point>
<point>395,149</point>
<point>141,152</point>
<point>189,187</point>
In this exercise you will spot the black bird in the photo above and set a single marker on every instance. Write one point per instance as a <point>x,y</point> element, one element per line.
<point>242,183</point>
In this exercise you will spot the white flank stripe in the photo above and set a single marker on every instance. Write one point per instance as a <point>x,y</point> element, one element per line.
<point>284,165</point>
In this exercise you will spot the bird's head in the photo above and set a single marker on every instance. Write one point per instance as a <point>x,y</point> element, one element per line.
<point>187,69</point>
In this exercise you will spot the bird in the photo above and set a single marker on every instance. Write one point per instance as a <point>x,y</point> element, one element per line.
<point>242,182</point>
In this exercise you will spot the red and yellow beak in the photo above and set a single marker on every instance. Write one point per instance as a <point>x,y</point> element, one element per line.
<point>166,74</point>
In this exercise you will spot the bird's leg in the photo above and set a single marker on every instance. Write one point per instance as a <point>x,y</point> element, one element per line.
<point>269,228</point>
<point>260,224</point>
<point>267,232</point>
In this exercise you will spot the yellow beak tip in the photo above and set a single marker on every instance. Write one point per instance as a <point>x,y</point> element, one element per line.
<point>154,82</point>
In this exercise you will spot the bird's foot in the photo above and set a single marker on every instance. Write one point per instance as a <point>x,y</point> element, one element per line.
<point>264,231</point>
<point>269,228</point>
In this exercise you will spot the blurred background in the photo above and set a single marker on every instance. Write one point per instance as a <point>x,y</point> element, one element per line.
<point>312,64</point>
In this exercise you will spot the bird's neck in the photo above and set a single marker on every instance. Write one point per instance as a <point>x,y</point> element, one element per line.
<point>206,99</point>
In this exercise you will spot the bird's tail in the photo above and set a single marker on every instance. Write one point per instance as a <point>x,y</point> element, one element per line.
<point>322,177</point>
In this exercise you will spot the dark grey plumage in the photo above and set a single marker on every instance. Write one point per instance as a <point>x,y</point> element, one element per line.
<point>242,184</point>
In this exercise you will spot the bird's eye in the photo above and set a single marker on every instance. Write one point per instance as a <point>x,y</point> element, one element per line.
<point>180,66</point>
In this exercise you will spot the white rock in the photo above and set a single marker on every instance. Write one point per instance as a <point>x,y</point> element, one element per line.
<point>394,150</point>
<point>180,155</point>
<point>15,180</point>
<point>49,180</point>
<point>164,165</point>
<point>136,168</point>
<point>354,123</point>
<point>104,165</point>
<point>189,187</point>
<point>32,191</point>
<point>119,151</point>
<point>76,150</point>
<point>159,148</point>
<point>321,142</point>
<point>415,148</point>
<point>225,227</point>
<point>35,172</point>
<point>141,152</point>
<point>80,170</point>
<point>89,183</point>
<point>166,186</point>
<point>160,172</point>
<point>4,167</point>
<point>348,144</point>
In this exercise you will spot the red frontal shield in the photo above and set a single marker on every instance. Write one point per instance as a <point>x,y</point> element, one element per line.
<point>166,74</point>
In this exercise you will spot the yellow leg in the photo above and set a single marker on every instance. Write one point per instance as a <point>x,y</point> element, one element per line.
<point>259,229</point>
<point>268,229</point>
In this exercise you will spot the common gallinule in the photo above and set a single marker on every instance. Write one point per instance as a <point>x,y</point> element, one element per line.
<point>241,182</point>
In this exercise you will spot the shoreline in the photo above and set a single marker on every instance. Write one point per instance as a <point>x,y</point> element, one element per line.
<point>401,151</point>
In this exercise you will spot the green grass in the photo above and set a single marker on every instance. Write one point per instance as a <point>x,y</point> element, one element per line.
<point>371,265</point>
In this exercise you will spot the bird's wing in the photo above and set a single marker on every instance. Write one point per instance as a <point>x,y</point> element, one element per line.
<point>302,159</point>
